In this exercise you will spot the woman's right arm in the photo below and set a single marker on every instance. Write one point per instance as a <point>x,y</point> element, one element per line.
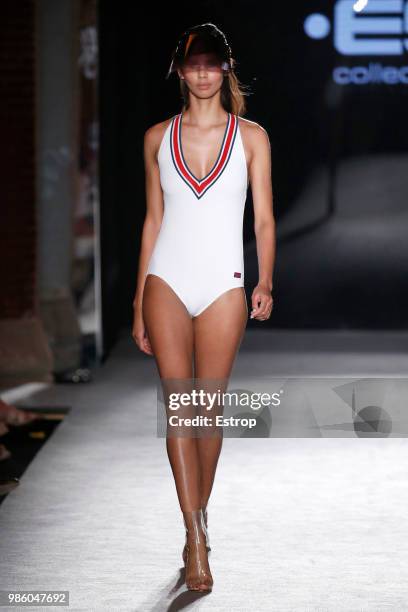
<point>151,227</point>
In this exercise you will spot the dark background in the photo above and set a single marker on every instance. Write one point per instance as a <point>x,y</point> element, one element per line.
<point>338,159</point>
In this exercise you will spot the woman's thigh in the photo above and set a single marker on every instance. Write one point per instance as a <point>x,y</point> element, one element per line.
<point>169,328</point>
<point>218,333</point>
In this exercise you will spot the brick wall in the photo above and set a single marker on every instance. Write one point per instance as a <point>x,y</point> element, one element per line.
<point>17,158</point>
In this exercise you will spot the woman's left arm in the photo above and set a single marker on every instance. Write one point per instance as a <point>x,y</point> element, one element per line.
<point>260,172</point>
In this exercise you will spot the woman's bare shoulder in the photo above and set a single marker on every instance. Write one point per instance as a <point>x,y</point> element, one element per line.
<point>253,134</point>
<point>251,128</point>
<point>154,134</point>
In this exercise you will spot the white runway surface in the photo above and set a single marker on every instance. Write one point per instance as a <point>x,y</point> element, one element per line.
<point>296,524</point>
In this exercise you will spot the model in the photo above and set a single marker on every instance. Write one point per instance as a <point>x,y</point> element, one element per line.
<point>190,308</point>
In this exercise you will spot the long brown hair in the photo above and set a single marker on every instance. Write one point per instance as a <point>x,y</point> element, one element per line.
<point>233,93</point>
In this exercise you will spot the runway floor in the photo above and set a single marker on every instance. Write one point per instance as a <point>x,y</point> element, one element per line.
<point>296,524</point>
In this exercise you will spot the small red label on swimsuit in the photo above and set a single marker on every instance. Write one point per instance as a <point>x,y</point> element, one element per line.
<point>237,274</point>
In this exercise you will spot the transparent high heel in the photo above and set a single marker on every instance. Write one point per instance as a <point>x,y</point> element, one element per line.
<point>207,537</point>
<point>198,573</point>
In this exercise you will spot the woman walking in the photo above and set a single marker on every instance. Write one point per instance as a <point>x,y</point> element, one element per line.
<point>190,309</point>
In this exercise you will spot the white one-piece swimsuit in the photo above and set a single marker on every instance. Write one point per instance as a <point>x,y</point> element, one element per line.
<point>199,248</point>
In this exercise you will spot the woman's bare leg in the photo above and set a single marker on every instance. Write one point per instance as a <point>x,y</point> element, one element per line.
<point>218,333</point>
<point>170,331</point>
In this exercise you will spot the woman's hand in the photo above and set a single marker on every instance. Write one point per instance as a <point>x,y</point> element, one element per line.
<point>139,333</point>
<point>262,303</point>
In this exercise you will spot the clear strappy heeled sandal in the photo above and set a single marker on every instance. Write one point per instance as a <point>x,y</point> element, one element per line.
<point>207,537</point>
<point>198,573</point>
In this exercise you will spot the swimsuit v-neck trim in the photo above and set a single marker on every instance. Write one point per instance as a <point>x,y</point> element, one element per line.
<point>219,153</point>
<point>200,186</point>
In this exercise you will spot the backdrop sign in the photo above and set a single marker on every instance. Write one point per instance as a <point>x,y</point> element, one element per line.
<point>373,29</point>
